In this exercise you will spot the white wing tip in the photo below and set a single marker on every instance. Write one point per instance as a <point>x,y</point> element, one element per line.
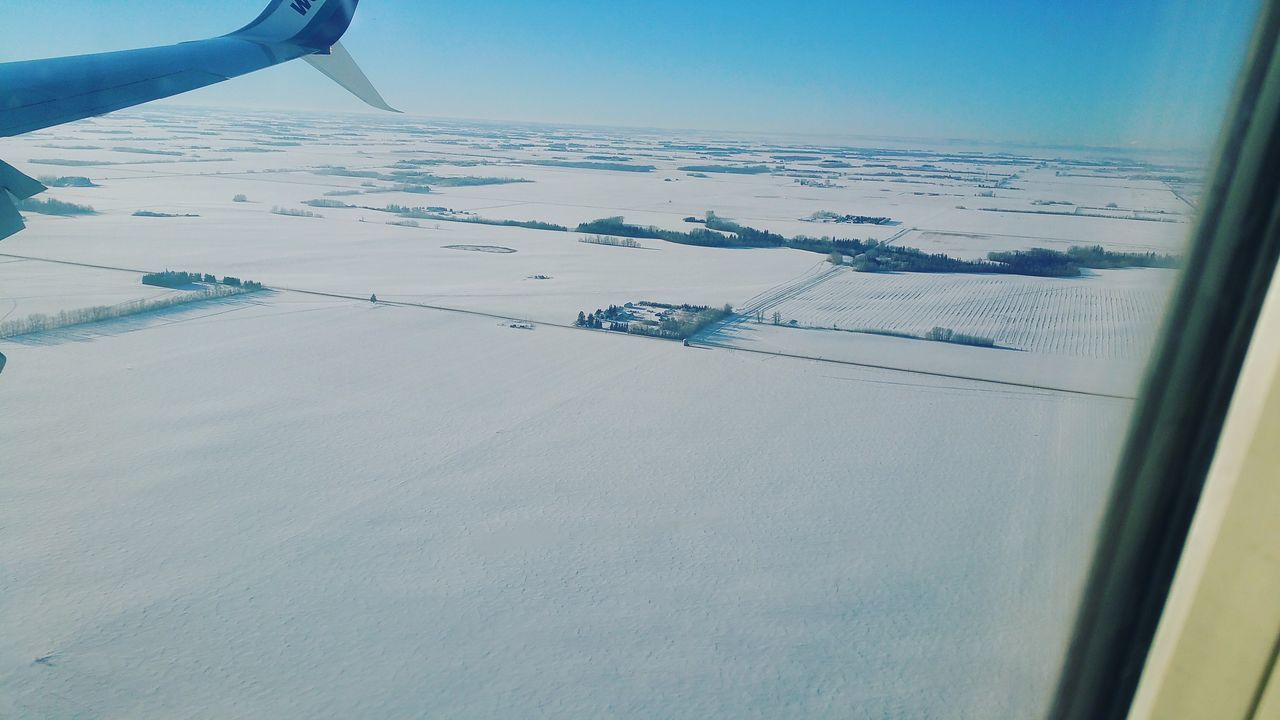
<point>339,66</point>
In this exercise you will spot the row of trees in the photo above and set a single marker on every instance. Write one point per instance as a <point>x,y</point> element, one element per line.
<point>746,236</point>
<point>941,334</point>
<point>68,318</point>
<point>176,280</point>
<point>775,318</point>
<point>78,181</point>
<point>618,227</point>
<point>1036,261</point>
<point>327,203</point>
<point>249,285</point>
<point>597,319</point>
<point>682,326</point>
<point>721,232</point>
<point>291,212</point>
<point>51,206</point>
<point>873,256</point>
<point>589,321</point>
<point>1099,257</point>
<point>870,256</point>
<point>611,241</point>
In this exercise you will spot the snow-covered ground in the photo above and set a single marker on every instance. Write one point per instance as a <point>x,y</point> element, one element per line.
<point>300,505</point>
<point>1107,314</point>
<point>34,288</point>
<point>323,508</point>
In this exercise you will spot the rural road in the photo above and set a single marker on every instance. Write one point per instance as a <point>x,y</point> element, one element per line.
<point>762,301</point>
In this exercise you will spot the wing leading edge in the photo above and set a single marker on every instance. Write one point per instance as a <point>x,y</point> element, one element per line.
<point>37,94</point>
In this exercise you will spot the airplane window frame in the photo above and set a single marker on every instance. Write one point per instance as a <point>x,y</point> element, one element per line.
<point>1182,408</point>
<point>1181,411</point>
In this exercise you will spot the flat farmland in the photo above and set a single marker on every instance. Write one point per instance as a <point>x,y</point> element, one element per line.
<point>302,503</point>
<point>34,288</point>
<point>1109,314</point>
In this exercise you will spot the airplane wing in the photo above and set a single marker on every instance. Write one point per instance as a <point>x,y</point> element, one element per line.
<point>37,94</point>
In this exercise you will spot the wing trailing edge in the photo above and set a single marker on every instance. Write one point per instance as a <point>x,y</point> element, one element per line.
<point>14,186</point>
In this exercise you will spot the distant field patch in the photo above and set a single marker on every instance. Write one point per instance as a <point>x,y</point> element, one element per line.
<point>481,248</point>
<point>69,181</point>
<point>583,165</point>
<point>1112,314</point>
<point>70,163</point>
<point>154,214</point>
<point>51,206</point>
<point>728,169</point>
<point>611,241</point>
<point>148,151</point>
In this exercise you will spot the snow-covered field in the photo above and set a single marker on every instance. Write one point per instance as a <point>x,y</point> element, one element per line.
<point>324,508</point>
<point>1109,314</point>
<point>299,503</point>
<point>32,288</point>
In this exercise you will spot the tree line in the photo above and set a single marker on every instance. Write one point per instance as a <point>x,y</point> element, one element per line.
<point>874,256</point>
<point>870,256</point>
<point>291,212</point>
<point>866,255</point>
<point>40,322</point>
<point>611,241</point>
<point>76,181</point>
<point>176,280</point>
<point>442,214</point>
<point>941,334</point>
<point>1098,257</point>
<point>51,206</point>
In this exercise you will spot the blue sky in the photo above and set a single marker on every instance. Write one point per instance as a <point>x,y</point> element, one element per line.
<point>1097,72</point>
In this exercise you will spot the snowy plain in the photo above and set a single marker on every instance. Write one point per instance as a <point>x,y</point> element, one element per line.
<point>291,504</point>
<point>315,508</point>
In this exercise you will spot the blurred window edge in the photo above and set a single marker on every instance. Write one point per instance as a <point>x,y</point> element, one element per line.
<point>1175,431</point>
<point>1216,644</point>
